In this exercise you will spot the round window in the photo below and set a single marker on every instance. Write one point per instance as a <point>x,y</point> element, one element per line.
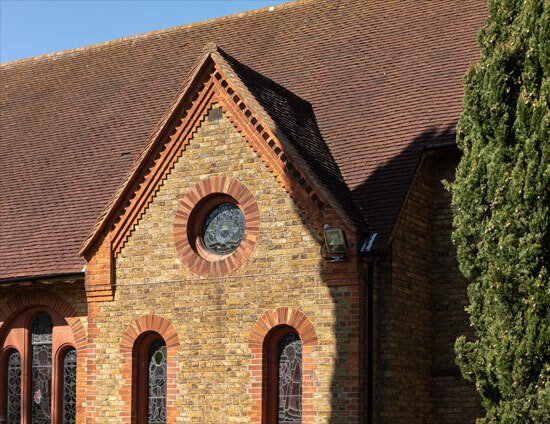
<point>216,226</point>
<point>223,230</point>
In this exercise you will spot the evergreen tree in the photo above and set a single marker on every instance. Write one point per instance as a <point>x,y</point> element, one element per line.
<point>501,205</point>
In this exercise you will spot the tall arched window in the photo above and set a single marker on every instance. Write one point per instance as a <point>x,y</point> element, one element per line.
<point>284,376</point>
<point>69,387</point>
<point>41,341</point>
<point>150,383</point>
<point>13,384</point>
<point>157,383</point>
<point>38,369</point>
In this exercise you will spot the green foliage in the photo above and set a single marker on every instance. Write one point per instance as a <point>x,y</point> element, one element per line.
<point>501,205</point>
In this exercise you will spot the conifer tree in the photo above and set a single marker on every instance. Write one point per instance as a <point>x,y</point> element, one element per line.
<point>501,206</point>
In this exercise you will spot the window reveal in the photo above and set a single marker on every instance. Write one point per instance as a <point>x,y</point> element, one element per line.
<point>41,368</point>
<point>14,388</point>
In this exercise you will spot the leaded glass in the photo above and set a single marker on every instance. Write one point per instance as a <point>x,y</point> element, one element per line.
<point>156,412</point>
<point>14,388</point>
<point>41,368</point>
<point>224,229</point>
<point>69,387</point>
<point>290,380</point>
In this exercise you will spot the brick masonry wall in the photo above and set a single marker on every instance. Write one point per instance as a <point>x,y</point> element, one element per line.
<point>213,317</point>
<point>404,315</point>
<point>455,400</point>
<point>420,299</point>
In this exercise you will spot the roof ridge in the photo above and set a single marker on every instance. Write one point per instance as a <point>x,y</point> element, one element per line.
<point>144,35</point>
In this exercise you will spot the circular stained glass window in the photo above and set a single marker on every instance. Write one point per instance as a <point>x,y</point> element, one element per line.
<point>223,230</point>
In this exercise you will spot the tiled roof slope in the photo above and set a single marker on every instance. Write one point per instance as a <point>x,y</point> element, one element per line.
<point>294,122</point>
<point>383,78</point>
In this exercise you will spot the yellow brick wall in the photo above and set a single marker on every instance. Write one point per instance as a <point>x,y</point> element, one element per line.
<point>214,316</point>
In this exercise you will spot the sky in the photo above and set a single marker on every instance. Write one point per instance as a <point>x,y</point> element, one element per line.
<point>32,28</point>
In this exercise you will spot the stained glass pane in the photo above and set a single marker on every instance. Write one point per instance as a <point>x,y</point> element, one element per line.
<point>41,368</point>
<point>224,229</point>
<point>69,387</point>
<point>290,380</point>
<point>14,388</point>
<point>156,412</point>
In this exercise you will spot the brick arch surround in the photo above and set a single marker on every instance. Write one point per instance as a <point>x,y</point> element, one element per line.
<point>215,266</point>
<point>304,327</point>
<point>20,302</point>
<point>136,329</point>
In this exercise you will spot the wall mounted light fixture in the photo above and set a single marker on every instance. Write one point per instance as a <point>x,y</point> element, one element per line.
<point>335,241</point>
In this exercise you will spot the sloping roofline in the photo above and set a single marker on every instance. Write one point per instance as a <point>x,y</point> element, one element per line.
<point>212,54</point>
<point>76,120</point>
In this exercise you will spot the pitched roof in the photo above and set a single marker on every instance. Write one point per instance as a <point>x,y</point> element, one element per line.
<point>383,78</point>
<point>288,117</point>
<point>294,122</point>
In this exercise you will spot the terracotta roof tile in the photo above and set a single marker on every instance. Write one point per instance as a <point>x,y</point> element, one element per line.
<point>383,78</point>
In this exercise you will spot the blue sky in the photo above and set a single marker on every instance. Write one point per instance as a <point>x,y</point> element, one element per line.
<point>31,28</point>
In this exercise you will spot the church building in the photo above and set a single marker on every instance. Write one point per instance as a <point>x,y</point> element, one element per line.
<point>241,220</point>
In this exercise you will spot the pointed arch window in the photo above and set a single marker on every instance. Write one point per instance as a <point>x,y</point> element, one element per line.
<point>284,376</point>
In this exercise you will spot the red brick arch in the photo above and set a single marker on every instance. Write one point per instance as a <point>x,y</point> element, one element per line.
<point>194,206</point>
<point>22,301</point>
<point>40,298</point>
<point>264,326</point>
<point>137,329</point>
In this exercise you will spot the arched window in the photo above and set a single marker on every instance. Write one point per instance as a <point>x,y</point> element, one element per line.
<point>13,383</point>
<point>284,376</point>
<point>38,369</point>
<point>157,383</point>
<point>69,387</point>
<point>41,369</point>
<point>150,384</point>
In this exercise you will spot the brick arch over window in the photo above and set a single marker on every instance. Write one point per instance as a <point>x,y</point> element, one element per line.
<point>22,302</point>
<point>134,333</point>
<point>266,323</point>
<point>187,216</point>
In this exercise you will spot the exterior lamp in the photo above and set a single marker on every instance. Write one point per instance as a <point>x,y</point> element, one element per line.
<point>335,241</point>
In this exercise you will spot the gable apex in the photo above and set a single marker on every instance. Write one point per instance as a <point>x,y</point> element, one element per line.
<point>218,78</point>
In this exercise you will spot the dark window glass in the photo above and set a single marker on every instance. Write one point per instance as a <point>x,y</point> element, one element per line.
<point>14,388</point>
<point>290,380</point>
<point>156,413</point>
<point>69,387</point>
<point>41,368</point>
<point>224,229</point>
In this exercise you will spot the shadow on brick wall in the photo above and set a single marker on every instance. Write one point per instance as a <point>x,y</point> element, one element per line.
<point>410,297</point>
